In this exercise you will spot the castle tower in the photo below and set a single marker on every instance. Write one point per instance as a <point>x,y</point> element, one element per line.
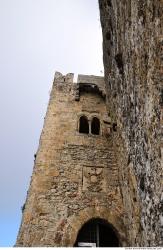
<point>74,197</point>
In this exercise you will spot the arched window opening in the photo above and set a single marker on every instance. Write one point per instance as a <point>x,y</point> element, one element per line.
<point>95,126</point>
<point>97,233</point>
<point>83,125</point>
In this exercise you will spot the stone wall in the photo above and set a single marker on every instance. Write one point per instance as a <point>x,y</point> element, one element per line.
<point>75,177</point>
<point>132,52</point>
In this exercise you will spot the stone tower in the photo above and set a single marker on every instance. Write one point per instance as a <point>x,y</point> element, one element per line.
<point>75,196</point>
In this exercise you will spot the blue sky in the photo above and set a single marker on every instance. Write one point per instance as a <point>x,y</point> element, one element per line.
<point>38,37</point>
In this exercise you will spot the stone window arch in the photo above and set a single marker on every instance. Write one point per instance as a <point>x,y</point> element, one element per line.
<point>95,126</point>
<point>83,125</point>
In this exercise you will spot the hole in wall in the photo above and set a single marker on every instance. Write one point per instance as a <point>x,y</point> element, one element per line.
<point>95,126</point>
<point>108,52</point>
<point>134,199</point>
<point>109,3</point>
<point>115,127</point>
<point>108,35</point>
<point>83,125</point>
<point>119,62</point>
<point>142,183</point>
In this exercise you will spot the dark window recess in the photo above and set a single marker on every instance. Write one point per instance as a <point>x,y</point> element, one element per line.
<point>83,125</point>
<point>119,61</point>
<point>109,3</point>
<point>142,183</point>
<point>114,127</point>
<point>108,35</point>
<point>161,98</point>
<point>95,126</point>
<point>97,231</point>
<point>108,52</point>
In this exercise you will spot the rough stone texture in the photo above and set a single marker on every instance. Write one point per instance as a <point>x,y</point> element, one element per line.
<point>132,45</point>
<point>75,176</point>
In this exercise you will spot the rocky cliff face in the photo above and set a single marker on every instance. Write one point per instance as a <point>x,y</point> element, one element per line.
<point>132,45</point>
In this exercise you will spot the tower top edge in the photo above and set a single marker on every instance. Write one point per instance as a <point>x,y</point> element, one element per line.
<point>90,79</point>
<point>69,77</point>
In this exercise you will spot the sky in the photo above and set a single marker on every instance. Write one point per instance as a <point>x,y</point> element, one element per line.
<point>38,37</point>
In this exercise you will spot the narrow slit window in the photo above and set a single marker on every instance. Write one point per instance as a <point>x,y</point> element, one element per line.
<point>114,127</point>
<point>83,125</point>
<point>95,126</point>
